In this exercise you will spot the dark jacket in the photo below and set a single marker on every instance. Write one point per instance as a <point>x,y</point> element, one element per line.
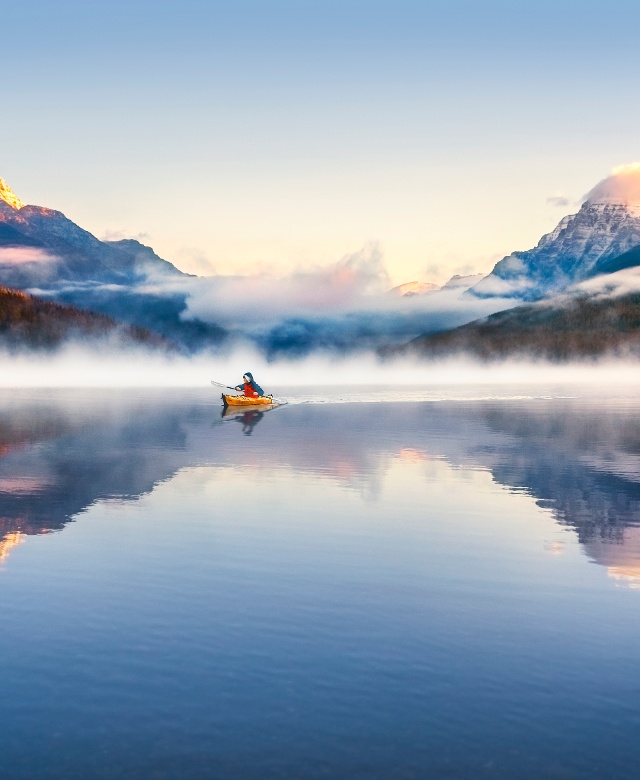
<point>254,385</point>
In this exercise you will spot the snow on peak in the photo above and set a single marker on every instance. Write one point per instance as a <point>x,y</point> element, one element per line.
<point>9,196</point>
<point>622,187</point>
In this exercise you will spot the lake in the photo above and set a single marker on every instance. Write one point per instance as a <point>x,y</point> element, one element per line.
<point>427,583</point>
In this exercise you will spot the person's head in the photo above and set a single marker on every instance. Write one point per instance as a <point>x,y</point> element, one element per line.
<point>248,377</point>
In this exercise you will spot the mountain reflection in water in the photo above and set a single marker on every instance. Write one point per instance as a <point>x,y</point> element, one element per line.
<point>319,590</point>
<point>62,452</point>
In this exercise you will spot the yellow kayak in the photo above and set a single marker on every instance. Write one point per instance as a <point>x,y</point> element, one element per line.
<point>242,400</point>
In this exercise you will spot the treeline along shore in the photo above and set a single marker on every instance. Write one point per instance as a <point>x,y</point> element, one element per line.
<point>577,328</point>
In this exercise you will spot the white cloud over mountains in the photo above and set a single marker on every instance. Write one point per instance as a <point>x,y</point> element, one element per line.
<point>336,308</point>
<point>622,186</point>
<point>350,283</point>
<point>21,255</point>
<point>613,285</point>
<point>559,200</point>
<point>120,235</point>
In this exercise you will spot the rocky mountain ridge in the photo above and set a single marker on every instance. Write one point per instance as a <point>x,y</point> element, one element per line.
<point>45,253</point>
<point>9,197</point>
<point>69,253</point>
<point>581,246</point>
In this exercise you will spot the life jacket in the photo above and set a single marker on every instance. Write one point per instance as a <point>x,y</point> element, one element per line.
<point>249,392</point>
<point>253,386</point>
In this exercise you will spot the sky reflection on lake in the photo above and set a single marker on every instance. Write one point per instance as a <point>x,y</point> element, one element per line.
<point>319,590</point>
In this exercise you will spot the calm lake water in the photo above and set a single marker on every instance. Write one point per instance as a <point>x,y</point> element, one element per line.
<point>445,587</point>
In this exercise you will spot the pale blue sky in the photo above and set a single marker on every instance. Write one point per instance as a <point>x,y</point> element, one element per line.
<point>245,135</point>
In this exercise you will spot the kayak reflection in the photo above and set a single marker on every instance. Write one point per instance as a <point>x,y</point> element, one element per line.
<point>248,418</point>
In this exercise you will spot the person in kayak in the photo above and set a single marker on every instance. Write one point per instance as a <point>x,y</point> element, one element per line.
<point>251,389</point>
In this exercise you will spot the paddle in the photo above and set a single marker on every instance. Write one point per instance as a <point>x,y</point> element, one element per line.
<point>219,384</point>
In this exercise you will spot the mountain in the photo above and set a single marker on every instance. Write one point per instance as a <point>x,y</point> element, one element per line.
<point>583,245</point>
<point>27,322</point>
<point>44,252</point>
<point>458,282</point>
<point>409,289</point>
<point>8,196</point>
<point>565,328</point>
<point>612,265</point>
<point>66,252</point>
<point>583,299</point>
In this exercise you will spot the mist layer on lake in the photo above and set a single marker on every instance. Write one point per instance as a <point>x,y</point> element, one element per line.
<point>443,587</point>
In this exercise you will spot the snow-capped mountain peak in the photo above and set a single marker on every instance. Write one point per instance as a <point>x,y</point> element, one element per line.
<point>621,188</point>
<point>581,246</point>
<point>9,197</point>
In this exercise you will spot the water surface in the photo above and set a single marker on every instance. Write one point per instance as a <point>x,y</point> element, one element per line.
<point>442,587</point>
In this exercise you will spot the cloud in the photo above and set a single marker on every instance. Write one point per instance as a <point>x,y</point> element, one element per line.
<point>622,186</point>
<point>378,326</point>
<point>194,261</point>
<point>435,270</point>
<point>120,235</point>
<point>611,285</point>
<point>238,301</point>
<point>21,255</point>
<point>510,280</point>
<point>558,200</point>
<point>340,308</point>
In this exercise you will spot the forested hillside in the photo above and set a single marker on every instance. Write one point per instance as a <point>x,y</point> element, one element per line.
<point>28,322</point>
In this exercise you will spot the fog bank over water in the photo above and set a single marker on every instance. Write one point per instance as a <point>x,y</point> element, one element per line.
<point>85,367</point>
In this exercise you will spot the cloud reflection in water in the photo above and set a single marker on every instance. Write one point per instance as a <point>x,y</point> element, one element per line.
<point>580,459</point>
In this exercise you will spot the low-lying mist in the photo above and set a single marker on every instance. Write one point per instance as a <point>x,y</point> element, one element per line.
<point>98,366</point>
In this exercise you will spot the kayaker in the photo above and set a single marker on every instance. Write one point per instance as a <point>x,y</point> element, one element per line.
<point>251,389</point>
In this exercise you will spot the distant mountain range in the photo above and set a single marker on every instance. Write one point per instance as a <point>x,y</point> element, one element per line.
<point>63,252</point>
<point>582,246</point>
<point>581,303</point>
<point>46,254</point>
